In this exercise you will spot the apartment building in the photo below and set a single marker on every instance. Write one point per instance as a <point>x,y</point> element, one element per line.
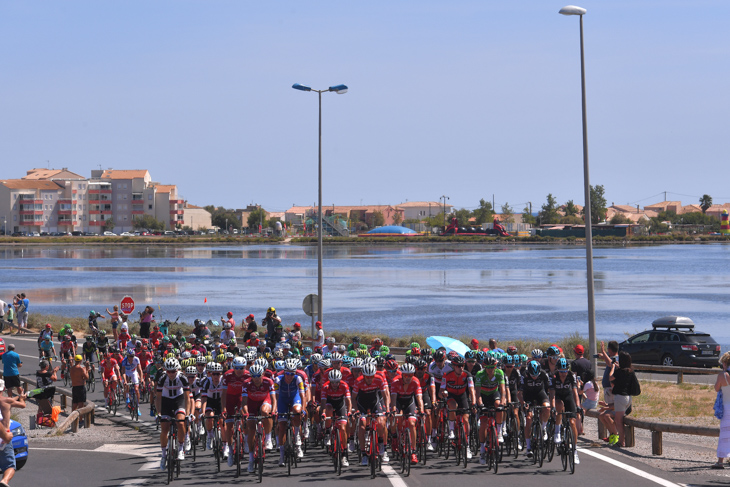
<point>58,200</point>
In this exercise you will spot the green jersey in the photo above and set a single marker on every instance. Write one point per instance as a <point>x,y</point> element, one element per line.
<point>487,386</point>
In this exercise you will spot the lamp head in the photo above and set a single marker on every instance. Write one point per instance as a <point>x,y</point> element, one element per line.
<point>339,89</point>
<point>572,10</point>
<point>299,87</point>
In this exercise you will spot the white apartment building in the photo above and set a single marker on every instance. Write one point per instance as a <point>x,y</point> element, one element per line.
<point>57,200</point>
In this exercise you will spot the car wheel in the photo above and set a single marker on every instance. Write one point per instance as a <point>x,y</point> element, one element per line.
<point>19,463</point>
<point>668,361</point>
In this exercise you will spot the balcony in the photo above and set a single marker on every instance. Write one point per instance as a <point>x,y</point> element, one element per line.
<point>177,222</point>
<point>96,223</point>
<point>137,212</point>
<point>94,191</point>
<point>64,212</point>
<point>177,202</point>
<point>106,212</point>
<point>177,212</point>
<point>65,202</point>
<point>68,223</point>
<point>31,212</point>
<point>94,212</point>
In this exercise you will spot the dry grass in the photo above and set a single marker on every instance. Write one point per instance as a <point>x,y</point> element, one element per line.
<point>670,401</point>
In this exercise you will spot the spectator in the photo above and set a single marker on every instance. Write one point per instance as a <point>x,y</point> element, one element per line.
<point>3,309</point>
<point>475,344</point>
<point>296,333</point>
<point>79,374</point>
<point>330,347</point>
<point>270,322</point>
<point>493,346</point>
<point>610,357</point>
<point>45,377</point>
<point>229,319</point>
<point>11,372</point>
<point>114,318</point>
<point>620,380</point>
<point>23,305</point>
<point>590,390</point>
<point>581,364</point>
<point>251,326</point>
<point>7,453</point>
<point>318,339</point>
<point>145,322</point>
<point>723,384</point>
<point>10,316</point>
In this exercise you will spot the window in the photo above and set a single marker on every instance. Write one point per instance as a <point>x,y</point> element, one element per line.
<point>125,218</point>
<point>149,197</point>
<point>125,185</point>
<point>125,196</point>
<point>15,218</point>
<point>83,218</point>
<point>149,207</point>
<point>119,185</point>
<point>642,338</point>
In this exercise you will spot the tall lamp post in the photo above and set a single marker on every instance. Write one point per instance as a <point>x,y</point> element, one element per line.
<point>340,90</point>
<point>444,197</point>
<point>580,12</point>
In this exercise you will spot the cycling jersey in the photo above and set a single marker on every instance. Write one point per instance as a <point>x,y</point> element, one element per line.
<point>405,393</point>
<point>109,367</point>
<point>563,388</point>
<point>173,388</point>
<point>437,372</point>
<point>257,394</point>
<point>487,386</point>
<point>212,390</point>
<point>334,394</point>
<point>516,383</point>
<point>130,369</point>
<point>457,384</point>
<point>535,389</point>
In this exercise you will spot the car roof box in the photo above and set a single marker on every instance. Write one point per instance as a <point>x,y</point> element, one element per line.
<point>675,322</point>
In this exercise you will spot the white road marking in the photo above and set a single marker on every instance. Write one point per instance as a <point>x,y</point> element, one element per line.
<point>629,468</point>
<point>133,482</point>
<point>394,478</point>
<point>153,465</point>
<point>134,450</point>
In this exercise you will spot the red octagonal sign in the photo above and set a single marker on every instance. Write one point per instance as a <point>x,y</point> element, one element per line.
<point>127,305</point>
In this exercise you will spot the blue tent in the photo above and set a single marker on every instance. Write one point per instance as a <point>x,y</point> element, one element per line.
<point>393,229</point>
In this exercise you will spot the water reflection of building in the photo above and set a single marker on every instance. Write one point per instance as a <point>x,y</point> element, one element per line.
<point>102,295</point>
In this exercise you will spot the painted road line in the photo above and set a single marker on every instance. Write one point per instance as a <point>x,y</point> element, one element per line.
<point>394,478</point>
<point>153,465</point>
<point>133,482</point>
<point>629,468</point>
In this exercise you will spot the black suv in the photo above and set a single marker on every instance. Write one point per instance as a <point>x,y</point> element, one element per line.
<point>673,341</point>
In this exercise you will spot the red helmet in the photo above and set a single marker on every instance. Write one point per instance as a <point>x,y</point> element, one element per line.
<point>156,328</point>
<point>230,315</point>
<point>48,326</point>
<point>223,347</point>
<point>391,364</point>
<point>194,353</point>
<point>297,325</point>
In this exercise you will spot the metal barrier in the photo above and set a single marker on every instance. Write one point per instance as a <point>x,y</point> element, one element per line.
<point>656,428</point>
<point>4,324</point>
<point>680,371</point>
<point>86,413</point>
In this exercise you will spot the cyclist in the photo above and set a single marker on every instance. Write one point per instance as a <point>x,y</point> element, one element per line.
<point>515,383</point>
<point>88,348</point>
<point>123,338</point>
<point>193,412</point>
<point>172,402</point>
<point>564,397</point>
<point>227,334</point>
<point>458,387</point>
<point>68,350</point>
<point>153,374</point>
<point>257,399</point>
<point>211,397</point>
<point>290,395</point>
<point>407,397</point>
<point>47,350</point>
<point>425,379</point>
<point>132,374</point>
<point>93,326</point>
<point>233,381</point>
<point>47,331</point>
<point>472,366</point>
<point>102,345</point>
<point>535,388</point>
<point>337,401</point>
<point>370,395</point>
<point>65,330</point>
<point>491,386</point>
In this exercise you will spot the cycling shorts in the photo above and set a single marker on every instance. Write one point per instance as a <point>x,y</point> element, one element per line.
<point>407,407</point>
<point>538,398</point>
<point>488,401</point>
<point>213,405</point>
<point>65,355</point>
<point>339,408</point>
<point>427,399</point>
<point>233,403</point>
<point>172,406</point>
<point>285,402</point>
<point>462,402</point>
<point>88,356</point>
<point>568,402</point>
<point>374,405</point>
<point>109,377</point>
<point>254,407</point>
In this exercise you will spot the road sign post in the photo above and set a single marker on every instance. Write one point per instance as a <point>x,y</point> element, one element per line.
<point>310,306</point>
<point>127,305</point>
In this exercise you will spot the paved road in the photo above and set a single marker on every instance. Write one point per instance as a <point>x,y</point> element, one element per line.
<point>129,468</point>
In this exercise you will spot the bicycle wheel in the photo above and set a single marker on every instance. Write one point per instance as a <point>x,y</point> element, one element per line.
<point>217,447</point>
<point>337,449</point>
<point>406,451</point>
<point>373,453</point>
<point>515,437</point>
<point>64,373</point>
<point>260,455</point>
<point>421,440</point>
<point>463,443</point>
<point>569,447</point>
<point>133,404</point>
<point>92,378</point>
<point>171,454</point>
<point>550,443</point>
<point>238,436</point>
<point>563,451</point>
<point>492,447</point>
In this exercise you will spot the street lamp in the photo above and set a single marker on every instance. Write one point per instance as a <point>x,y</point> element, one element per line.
<point>444,197</point>
<point>580,12</point>
<point>340,90</point>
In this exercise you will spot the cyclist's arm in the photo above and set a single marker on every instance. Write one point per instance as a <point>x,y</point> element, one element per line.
<point>273,402</point>
<point>419,403</point>
<point>244,405</point>
<point>504,391</point>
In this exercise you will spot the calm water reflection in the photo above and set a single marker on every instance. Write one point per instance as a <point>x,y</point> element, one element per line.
<point>466,289</point>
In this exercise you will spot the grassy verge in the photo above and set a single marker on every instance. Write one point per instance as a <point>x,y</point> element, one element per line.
<point>668,401</point>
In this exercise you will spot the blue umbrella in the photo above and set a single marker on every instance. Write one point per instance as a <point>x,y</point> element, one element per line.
<point>450,344</point>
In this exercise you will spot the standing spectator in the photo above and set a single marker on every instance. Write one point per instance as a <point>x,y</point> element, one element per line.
<point>296,333</point>
<point>7,453</point>
<point>318,339</point>
<point>493,346</point>
<point>609,356</point>
<point>330,347</point>
<point>251,326</point>
<point>23,305</point>
<point>229,319</point>
<point>145,321</point>
<point>79,374</point>
<point>114,318</point>
<point>474,344</point>
<point>620,380</point>
<point>723,384</point>
<point>45,377</point>
<point>270,322</point>
<point>581,364</point>
<point>10,316</point>
<point>11,372</point>
<point>3,309</point>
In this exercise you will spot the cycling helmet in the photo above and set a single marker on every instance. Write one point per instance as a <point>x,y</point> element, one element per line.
<point>384,350</point>
<point>362,353</point>
<point>470,355</point>
<point>327,355</point>
<point>380,361</point>
<point>357,364</point>
<point>185,355</point>
<point>415,351</point>
<point>307,351</point>
<point>370,360</point>
<point>291,364</point>
<point>533,369</point>
<point>537,353</point>
<point>352,354</point>
<point>172,364</point>
<point>214,367</point>
<point>191,370</point>
<point>510,360</point>
<point>523,358</point>
<point>408,369</point>
<point>411,358</point>
<point>553,351</point>
<point>66,338</point>
<point>439,356</point>
<point>512,350</point>
<point>391,365</point>
<point>336,357</point>
<point>279,365</point>
<point>377,342</point>
<point>250,356</point>
<point>229,355</point>
<point>490,362</point>
<point>375,353</point>
<point>562,364</point>
<point>316,358</point>
<point>346,360</point>
<point>92,313</point>
<point>368,370</point>
<point>325,363</point>
<point>200,359</point>
<point>102,332</point>
<point>130,352</point>
<point>256,371</point>
<point>458,360</point>
<point>278,355</point>
<point>227,326</point>
<point>330,340</point>
<point>262,362</point>
<point>89,338</point>
<point>334,375</point>
<point>48,326</point>
<point>239,363</point>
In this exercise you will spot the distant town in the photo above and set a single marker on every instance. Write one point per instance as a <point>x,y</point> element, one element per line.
<point>128,202</point>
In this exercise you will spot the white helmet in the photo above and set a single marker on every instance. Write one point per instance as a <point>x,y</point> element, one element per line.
<point>315,358</point>
<point>335,375</point>
<point>172,364</point>
<point>256,370</point>
<point>407,369</point>
<point>368,370</point>
<point>262,362</point>
<point>291,364</point>
<point>191,370</point>
<point>214,367</point>
<point>239,363</point>
<point>357,364</point>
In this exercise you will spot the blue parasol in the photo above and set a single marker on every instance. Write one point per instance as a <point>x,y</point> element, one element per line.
<point>450,344</point>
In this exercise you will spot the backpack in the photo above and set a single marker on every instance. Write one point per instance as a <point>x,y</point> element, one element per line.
<point>634,386</point>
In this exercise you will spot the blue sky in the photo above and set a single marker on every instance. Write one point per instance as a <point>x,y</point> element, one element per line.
<point>461,98</point>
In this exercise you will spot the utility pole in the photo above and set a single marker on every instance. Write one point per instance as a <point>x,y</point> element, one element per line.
<point>444,197</point>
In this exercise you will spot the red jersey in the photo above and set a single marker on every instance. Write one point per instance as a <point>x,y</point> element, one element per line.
<point>457,385</point>
<point>342,391</point>
<point>392,377</point>
<point>144,359</point>
<point>234,384</point>
<point>364,389</point>
<point>156,336</point>
<point>109,366</point>
<point>404,392</point>
<point>67,346</point>
<point>258,393</point>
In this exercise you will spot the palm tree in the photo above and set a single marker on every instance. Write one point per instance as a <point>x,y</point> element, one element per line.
<point>705,202</point>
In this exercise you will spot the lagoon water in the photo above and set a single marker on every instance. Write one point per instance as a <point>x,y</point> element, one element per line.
<point>482,290</point>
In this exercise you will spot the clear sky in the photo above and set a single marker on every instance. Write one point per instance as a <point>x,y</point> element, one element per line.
<point>462,98</point>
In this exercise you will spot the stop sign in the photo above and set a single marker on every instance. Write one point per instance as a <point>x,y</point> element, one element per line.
<point>127,305</point>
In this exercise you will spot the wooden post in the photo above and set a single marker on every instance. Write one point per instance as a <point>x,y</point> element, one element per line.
<point>602,433</point>
<point>75,425</point>
<point>680,377</point>
<point>629,436</point>
<point>656,442</point>
<point>63,401</point>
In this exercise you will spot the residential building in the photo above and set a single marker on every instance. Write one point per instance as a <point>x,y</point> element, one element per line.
<point>420,210</point>
<point>197,217</point>
<point>635,214</point>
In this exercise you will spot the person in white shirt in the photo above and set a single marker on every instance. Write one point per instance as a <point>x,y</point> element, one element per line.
<point>330,347</point>
<point>319,336</point>
<point>227,334</point>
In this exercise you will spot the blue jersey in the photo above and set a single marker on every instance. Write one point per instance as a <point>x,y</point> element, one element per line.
<point>291,389</point>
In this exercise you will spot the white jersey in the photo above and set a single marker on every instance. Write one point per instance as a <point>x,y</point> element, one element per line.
<point>226,336</point>
<point>437,373</point>
<point>130,369</point>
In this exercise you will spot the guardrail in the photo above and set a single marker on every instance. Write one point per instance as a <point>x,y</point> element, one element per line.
<point>86,413</point>
<point>680,371</point>
<point>657,429</point>
<point>4,324</point>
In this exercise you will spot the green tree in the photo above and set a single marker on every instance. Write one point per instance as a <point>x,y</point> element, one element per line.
<point>397,217</point>
<point>484,213</point>
<point>148,222</point>
<point>705,203</point>
<point>507,214</point>
<point>571,220</point>
<point>570,208</point>
<point>109,225</point>
<point>378,219</point>
<point>528,217</point>
<point>221,217</point>
<point>598,205</point>
<point>210,209</point>
<point>549,212</point>
<point>258,217</point>
<point>463,216</point>
<point>272,222</point>
<point>620,219</point>
<point>435,221</point>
